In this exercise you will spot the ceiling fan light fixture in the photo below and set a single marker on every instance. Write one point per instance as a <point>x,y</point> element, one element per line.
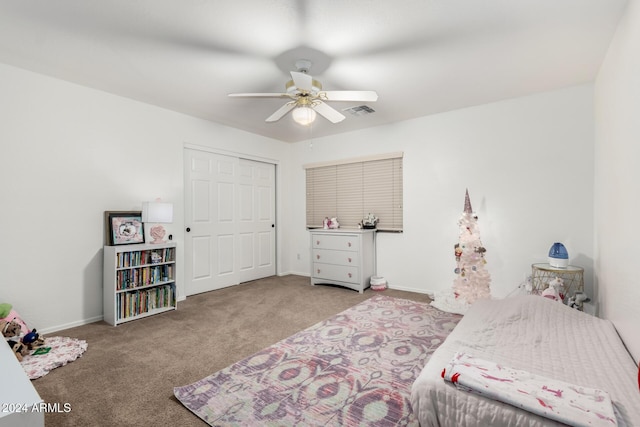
<point>290,86</point>
<point>304,115</point>
<point>306,98</point>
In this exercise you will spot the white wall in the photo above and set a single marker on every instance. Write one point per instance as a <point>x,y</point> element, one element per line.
<point>617,177</point>
<point>528,165</point>
<point>68,154</point>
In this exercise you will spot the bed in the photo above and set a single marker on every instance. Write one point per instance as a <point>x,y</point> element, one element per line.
<point>536,335</point>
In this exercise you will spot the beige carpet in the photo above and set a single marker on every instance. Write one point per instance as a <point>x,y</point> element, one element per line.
<point>127,375</point>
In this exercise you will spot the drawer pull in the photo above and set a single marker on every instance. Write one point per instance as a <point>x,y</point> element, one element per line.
<point>349,259</point>
<point>318,271</point>
<point>349,274</point>
<point>317,242</point>
<point>349,244</point>
<point>317,256</point>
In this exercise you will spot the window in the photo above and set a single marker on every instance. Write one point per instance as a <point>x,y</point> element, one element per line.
<point>351,189</point>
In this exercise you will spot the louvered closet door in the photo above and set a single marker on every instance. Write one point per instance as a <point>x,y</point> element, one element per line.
<point>229,218</point>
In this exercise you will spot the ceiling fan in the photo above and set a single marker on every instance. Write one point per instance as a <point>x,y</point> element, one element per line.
<point>307,97</point>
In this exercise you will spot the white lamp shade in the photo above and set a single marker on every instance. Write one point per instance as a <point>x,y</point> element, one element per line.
<point>158,212</point>
<point>304,115</point>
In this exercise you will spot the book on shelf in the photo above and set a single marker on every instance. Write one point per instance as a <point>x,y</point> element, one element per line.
<point>143,276</point>
<point>142,301</point>
<point>144,257</point>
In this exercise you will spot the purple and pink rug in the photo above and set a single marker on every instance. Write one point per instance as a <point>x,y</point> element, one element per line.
<point>355,368</point>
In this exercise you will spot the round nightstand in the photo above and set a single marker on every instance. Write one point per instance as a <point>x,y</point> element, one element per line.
<point>572,276</point>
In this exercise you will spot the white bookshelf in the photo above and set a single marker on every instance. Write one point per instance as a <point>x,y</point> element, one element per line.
<point>138,281</point>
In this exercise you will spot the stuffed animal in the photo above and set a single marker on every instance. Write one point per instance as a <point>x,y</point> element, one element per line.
<point>330,223</point>
<point>10,329</point>
<point>19,349</point>
<point>21,343</point>
<point>16,330</point>
<point>555,290</point>
<point>577,300</point>
<point>8,313</point>
<point>33,340</point>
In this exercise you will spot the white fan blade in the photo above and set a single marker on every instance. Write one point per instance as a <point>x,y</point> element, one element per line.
<point>258,95</point>
<point>303,82</point>
<point>349,95</point>
<point>281,112</point>
<point>328,112</point>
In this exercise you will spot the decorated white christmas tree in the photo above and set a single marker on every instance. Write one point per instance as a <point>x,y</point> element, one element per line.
<point>472,278</point>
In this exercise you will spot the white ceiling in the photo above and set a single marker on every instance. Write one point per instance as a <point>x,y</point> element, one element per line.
<point>421,56</point>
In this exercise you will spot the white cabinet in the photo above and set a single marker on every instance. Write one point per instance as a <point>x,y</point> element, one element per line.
<point>343,257</point>
<point>138,281</point>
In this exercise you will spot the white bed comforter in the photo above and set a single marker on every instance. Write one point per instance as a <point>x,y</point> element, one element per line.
<point>533,334</point>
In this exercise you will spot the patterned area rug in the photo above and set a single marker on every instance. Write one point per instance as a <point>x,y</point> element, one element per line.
<point>355,368</point>
<point>63,350</point>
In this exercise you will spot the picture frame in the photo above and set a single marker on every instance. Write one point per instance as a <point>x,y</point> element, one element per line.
<point>124,228</point>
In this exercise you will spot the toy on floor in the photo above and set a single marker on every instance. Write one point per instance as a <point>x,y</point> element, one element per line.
<point>555,290</point>
<point>33,340</point>
<point>19,349</point>
<point>11,331</point>
<point>8,313</point>
<point>16,333</point>
<point>578,300</point>
<point>41,350</point>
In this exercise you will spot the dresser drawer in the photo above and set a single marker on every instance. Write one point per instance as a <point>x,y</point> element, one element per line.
<point>340,273</point>
<point>335,242</point>
<point>326,256</point>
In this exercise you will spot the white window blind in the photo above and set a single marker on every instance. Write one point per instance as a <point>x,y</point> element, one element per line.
<point>351,189</point>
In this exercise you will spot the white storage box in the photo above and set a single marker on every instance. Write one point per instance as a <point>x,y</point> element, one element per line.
<point>378,283</point>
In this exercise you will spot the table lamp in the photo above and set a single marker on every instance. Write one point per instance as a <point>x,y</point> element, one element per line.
<point>157,212</point>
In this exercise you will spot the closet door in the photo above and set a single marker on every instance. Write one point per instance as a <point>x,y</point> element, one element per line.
<point>229,220</point>
<point>256,220</point>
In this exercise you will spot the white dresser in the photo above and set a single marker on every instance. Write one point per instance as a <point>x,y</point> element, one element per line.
<point>345,257</point>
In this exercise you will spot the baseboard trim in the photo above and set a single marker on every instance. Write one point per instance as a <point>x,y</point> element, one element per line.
<point>294,273</point>
<point>391,286</point>
<point>407,289</point>
<point>70,325</point>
